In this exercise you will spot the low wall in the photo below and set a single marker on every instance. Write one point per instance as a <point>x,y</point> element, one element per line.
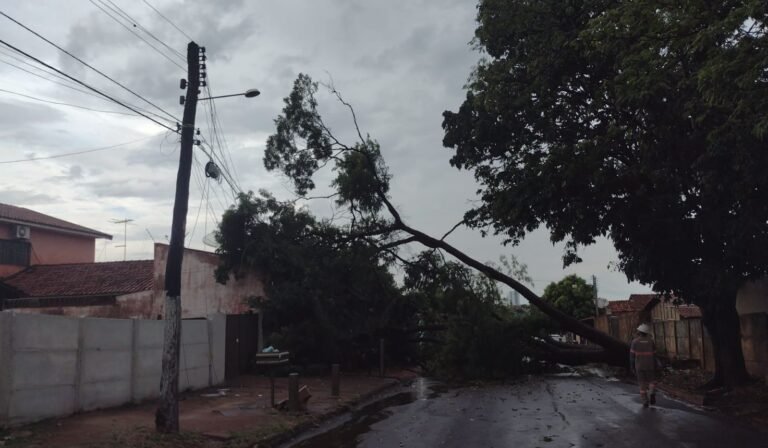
<point>52,366</point>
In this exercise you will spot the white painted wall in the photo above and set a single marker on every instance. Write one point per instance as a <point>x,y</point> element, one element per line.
<point>52,366</point>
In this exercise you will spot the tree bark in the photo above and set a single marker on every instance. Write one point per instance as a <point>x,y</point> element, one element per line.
<point>616,352</point>
<point>722,321</point>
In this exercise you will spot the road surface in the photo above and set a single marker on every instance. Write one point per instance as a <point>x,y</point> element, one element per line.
<point>545,412</point>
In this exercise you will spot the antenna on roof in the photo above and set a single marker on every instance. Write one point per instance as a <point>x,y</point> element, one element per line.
<point>124,222</point>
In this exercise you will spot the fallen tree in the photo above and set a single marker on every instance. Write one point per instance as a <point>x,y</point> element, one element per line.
<point>303,144</point>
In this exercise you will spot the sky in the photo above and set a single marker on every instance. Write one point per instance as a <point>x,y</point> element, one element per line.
<point>400,63</point>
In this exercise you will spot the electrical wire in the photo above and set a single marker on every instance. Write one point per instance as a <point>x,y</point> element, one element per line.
<point>84,84</point>
<point>85,151</point>
<point>168,20</point>
<point>66,104</point>
<point>220,131</point>
<point>75,88</point>
<point>220,140</point>
<point>130,30</point>
<point>199,208</point>
<point>48,79</point>
<point>224,174</point>
<point>82,62</point>
<point>136,23</point>
<point>16,57</point>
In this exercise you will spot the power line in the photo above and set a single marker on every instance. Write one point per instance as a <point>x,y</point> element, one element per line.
<point>141,27</point>
<point>168,20</point>
<point>218,133</point>
<point>15,57</point>
<point>224,174</point>
<point>84,84</point>
<point>130,30</point>
<point>85,151</point>
<point>66,104</point>
<point>80,61</point>
<point>76,89</point>
<point>48,79</point>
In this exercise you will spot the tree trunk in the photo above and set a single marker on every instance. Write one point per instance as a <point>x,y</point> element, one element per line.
<point>724,327</point>
<point>616,352</point>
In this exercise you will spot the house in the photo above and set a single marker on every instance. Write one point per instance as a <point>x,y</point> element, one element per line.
<point>135,290</point>
<point>29,238</point>
<point>49,268</point>
<point>669,310</point>
<point>639,304</point>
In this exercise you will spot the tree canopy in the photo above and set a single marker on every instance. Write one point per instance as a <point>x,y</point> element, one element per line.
<point>640,121</point>
<point>572,295</point>
<point>329,295</point>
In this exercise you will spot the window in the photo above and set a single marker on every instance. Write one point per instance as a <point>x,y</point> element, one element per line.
<point>15,252</point>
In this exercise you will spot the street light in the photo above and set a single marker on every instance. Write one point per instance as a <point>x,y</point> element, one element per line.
<point>250,93</point>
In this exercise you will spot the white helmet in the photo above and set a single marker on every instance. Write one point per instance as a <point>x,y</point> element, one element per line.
<point>644,328</point>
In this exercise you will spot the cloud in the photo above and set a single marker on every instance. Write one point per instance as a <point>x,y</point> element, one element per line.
<point>400,63</point>
<point>25,197</point>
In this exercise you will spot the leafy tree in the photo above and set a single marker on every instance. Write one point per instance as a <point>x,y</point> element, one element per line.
<point>479,335</point>
<point>641,121</point>
<point>572,295</point>
<point>303,144</point>
<point>329,296</point>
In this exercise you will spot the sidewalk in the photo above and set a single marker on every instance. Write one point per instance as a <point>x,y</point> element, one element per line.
<point>239,416</point>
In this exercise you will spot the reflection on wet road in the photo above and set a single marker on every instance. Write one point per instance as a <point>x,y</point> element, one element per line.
<point>546,412</point>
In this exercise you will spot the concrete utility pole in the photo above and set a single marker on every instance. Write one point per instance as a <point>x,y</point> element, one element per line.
<point>594,292</point>
<point>167,414</point>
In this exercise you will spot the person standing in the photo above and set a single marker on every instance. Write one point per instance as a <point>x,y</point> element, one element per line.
<point>642,360</point>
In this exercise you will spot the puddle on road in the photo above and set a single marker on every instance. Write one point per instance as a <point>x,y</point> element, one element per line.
<point>346,434</point>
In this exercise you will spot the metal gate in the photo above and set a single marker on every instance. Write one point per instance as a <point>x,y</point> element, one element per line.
<point>242,339</point>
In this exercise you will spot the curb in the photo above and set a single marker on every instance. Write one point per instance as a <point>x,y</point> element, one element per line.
<point>694,398</point>
<point>282,437</point>
<point>699,399</point>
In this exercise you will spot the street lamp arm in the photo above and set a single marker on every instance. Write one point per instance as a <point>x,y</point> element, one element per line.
<point>248,94</point>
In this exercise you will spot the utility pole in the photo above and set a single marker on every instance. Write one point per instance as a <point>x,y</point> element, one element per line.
<point>124,222</point>
<point>167,414</point>
<point>594,291</point>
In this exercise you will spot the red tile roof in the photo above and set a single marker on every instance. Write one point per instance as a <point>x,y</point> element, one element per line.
<point>636,303</point>
<point>21,215</point>
<point>620,306</point>
<point>689,311</point>
<point>640,301</point>
<point>84,279</point>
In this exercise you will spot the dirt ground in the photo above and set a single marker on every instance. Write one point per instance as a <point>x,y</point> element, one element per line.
<point>748,402</point>
<point>238,416</point>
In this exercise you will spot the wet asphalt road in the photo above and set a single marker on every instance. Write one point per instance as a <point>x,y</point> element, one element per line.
<point>546,412</point>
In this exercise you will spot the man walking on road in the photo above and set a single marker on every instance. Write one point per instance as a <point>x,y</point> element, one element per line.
<point>642,360</point>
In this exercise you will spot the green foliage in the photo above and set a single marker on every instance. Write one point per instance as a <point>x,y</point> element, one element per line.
<point>571,295</point>
<point>303,144</point>
<point>641,121</point>
<point>482,337</point>
<point>325,290</point>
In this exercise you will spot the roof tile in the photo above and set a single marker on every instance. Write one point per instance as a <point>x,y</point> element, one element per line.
<point>84,279</point>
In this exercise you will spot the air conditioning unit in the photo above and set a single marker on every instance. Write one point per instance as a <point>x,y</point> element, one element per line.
<point>22,232</point>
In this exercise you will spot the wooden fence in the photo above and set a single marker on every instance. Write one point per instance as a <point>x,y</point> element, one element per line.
<point>688,339</point>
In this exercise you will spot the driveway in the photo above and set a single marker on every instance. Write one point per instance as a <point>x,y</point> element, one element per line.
<point>546,412</point>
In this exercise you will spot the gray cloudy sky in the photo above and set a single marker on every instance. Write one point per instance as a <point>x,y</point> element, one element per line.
<point>400,62</point>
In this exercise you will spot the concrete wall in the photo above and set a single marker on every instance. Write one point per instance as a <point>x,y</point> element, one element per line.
<point>53,366</point>
<point>128,306</point>
<point>201,294</point>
